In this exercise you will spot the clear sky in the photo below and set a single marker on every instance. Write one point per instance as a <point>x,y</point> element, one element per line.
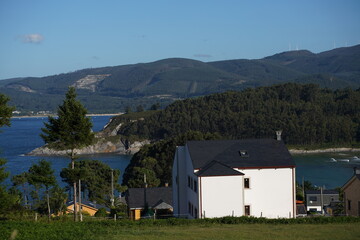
<point>47,37</point>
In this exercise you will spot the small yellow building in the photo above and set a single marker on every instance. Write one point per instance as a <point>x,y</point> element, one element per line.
<point>86,207</point>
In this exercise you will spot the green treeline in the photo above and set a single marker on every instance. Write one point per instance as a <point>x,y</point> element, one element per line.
<point>307,114</point>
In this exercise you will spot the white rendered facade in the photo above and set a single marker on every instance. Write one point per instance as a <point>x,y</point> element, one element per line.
<point>269,192</point>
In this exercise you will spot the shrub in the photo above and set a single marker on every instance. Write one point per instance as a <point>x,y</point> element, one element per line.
<point>101,213</point>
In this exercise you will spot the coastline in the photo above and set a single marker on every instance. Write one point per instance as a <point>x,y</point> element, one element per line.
<point>53,115</point>
<point>326,150</point>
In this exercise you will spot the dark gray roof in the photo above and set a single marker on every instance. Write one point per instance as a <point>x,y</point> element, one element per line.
<point>324,192</point>
<point>259,153</point>
<point>215,168</point>
<point>135,197</point>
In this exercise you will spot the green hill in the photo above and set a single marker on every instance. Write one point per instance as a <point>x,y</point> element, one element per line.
<point>307,115</point>
<point>111,89</point>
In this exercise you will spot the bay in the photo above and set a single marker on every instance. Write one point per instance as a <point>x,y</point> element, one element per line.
<point>23,136</point>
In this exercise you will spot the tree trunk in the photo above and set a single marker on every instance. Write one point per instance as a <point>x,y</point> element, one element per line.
<point>48,203</point>
<point>75,190</point>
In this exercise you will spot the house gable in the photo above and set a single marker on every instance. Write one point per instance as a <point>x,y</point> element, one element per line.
<point>215,168</point>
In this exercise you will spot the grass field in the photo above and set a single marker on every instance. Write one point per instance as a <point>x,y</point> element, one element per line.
<point>115,230</point>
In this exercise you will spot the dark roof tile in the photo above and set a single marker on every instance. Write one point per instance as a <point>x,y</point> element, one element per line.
<point>261,153</point>
<point>135,197</point>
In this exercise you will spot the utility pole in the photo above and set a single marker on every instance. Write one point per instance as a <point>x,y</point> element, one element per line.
<point>80,214</point>
<point>322,200</point>
<point>112,188</point>
<point>303,188</point>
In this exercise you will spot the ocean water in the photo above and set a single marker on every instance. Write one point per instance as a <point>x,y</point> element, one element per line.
<point>23,136</point>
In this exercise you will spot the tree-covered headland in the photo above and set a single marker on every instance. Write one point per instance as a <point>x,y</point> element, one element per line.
<point>309,116</point>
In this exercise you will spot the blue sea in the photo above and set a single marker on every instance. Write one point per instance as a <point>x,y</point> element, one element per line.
<point>23,136</point>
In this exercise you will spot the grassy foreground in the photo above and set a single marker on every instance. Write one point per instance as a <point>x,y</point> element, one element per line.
<point>116,230</point>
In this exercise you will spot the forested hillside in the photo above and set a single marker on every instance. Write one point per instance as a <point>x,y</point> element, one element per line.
<point>112,89</point>
<point>307,114</point>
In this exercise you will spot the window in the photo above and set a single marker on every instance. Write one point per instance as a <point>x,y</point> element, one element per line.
<point>195,186</point>
<point>312,198</point>
<point>247,210</point>
<point>191,183</point>
<point>349,205</point>
<point>189,208</point>
<point>196,213</point>
<point>246,182</point>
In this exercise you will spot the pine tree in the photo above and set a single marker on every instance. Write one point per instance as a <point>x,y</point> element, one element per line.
<point>71,130</point>
<point>42,174</point>
<point>5,111</point>
<point>7,200</point>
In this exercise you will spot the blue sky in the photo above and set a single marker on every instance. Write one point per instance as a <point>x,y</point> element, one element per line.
<point>46,37</point>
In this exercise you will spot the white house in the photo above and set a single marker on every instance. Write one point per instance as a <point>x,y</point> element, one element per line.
<point>251,177</point>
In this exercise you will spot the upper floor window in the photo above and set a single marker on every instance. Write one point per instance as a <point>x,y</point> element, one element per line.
<point>313,198</point>
<point>246,182</point>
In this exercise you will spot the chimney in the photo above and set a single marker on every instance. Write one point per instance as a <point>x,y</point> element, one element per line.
<point>278,135</point>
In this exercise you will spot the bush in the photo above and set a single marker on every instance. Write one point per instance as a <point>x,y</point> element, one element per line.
<point>101,213</point>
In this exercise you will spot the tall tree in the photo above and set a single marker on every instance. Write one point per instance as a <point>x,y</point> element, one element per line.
<point>21,179</point>
<point>6,199</point>
<point>70,131</point>
<point>42,174</point>
<point>95,177</point>
<point>5,111</point>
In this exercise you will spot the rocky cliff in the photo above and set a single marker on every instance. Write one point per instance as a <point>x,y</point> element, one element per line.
<point>102,146</point>
<point>107,141</point>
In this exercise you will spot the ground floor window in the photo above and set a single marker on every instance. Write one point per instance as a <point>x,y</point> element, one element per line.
<point>349,204</point>
<point>247,210</point>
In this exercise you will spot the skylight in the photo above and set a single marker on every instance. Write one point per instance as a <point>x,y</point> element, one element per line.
<point>243,153</point>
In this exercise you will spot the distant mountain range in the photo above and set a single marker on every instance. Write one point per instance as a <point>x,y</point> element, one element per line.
<point>111,89</point>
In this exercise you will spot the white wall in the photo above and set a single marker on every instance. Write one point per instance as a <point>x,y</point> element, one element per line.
<point>318,208</point>
<point>191,196</point>
<point>221,196</point>
<point>179,190</point>
<point>271,193</point>
<point>182,194</point>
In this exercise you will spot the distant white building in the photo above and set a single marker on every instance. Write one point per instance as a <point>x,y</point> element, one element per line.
<point>253,177</point>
